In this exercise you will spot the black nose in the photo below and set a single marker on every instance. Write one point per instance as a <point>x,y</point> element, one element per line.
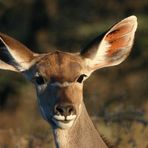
<point>65,110</point>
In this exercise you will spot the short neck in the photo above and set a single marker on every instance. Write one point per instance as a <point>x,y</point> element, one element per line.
<point>82,134</point>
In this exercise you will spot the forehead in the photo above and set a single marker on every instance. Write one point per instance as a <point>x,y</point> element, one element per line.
<point>60,65</point>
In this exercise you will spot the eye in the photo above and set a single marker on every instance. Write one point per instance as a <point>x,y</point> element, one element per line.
<point>81,78</point>
<point>40,80</point>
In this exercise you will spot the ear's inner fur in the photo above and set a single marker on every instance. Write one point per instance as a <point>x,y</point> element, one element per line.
<point>93,45</point>
<point>6,57</point>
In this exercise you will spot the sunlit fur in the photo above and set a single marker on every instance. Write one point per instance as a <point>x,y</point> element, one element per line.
<point>59,72</point>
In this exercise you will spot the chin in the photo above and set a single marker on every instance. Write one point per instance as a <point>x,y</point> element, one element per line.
<point>63,125</point>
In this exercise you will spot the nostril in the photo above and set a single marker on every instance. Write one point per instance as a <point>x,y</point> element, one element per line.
<point>59,110</point>
<point>71,110</point>
<point>65,110</point>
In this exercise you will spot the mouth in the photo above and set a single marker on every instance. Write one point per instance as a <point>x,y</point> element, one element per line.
<point>63,122</point>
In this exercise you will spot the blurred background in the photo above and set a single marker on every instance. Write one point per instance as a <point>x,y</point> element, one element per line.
<point>116,97</point>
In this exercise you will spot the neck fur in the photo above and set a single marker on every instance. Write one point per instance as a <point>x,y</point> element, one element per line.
<point>81,135</point>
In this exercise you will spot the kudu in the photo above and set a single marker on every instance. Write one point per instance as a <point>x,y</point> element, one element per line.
<point>58,77</point>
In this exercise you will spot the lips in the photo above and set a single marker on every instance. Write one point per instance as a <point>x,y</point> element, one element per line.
<point>63,122</point>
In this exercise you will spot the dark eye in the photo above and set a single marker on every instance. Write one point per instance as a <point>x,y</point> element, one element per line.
<point>40,80</point>
<point>81,78</point>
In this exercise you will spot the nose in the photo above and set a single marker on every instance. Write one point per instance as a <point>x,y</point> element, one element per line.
<point>65,110</point>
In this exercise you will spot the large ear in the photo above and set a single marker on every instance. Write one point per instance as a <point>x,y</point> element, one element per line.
<point>112,47</point>
<point>14,55</point>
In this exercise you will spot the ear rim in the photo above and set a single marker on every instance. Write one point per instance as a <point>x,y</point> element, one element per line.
<point>14,47</point>
<point>131,19</point>
<point>5,66</point>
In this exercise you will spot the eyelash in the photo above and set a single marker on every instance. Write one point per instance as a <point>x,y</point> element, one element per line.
<point>40,80</point>
<point>81,78</point>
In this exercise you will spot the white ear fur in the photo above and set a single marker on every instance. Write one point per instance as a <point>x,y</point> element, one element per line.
<point>14,55</point>
<point>114,46</point>
<point>5,66</point>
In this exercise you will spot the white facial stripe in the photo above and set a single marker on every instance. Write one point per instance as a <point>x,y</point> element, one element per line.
<point>64,84</point>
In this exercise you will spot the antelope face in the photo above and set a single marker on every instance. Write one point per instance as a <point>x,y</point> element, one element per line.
<point>59,77</point>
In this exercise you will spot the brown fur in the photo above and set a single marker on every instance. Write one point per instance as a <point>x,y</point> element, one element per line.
<point>55,76</point>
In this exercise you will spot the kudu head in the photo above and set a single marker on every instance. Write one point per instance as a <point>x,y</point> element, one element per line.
<point>58,76</point>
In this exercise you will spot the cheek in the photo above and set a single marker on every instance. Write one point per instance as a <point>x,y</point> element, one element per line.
<point>79,98</point>
<point>46,101</point>
<point>46,94</point>
<point>75,95</point>
<point>46,105</point>
<point>78,94</point>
